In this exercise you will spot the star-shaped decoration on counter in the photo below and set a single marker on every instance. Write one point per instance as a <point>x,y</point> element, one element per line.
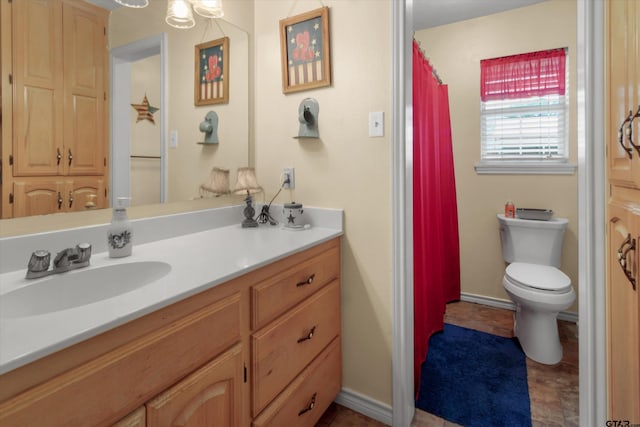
<point>145,110</point>
<point>291,218</point>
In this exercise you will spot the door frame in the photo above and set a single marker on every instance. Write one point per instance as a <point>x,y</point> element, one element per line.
<point>591,213</point>
<point>120,126</point>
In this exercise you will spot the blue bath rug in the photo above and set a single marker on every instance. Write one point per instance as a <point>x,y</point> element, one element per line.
<point>475,379</point>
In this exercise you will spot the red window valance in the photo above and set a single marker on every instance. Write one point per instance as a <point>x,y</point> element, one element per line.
<point>522,76</point>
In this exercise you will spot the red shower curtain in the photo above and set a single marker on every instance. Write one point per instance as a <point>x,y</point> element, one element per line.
<point>436,254</point>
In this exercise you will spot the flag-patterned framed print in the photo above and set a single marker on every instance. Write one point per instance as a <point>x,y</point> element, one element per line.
<point>212,72</point>
<point>305,51</point>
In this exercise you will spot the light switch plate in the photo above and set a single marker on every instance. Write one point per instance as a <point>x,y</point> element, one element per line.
<point>376,123</point>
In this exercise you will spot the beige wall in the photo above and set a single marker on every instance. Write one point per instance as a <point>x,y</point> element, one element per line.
<point>343,169</point>
<point>190,163</point>
<point>455,51</point>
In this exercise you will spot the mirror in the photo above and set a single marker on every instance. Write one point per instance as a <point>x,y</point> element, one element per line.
<point>187,165</point>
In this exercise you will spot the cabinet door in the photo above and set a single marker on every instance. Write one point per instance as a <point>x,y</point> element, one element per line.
<point>622,311</point>
<point>81,191</point>
<point>211,396</point>
<point>38,196</point>
<point>624,91</point>
<point>38,96</point>
<point>84,37</point>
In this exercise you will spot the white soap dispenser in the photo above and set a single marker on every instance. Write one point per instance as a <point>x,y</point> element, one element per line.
<point>119,235</point>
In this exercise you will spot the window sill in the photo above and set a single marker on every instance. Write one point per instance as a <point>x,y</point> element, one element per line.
<point>524,168</point>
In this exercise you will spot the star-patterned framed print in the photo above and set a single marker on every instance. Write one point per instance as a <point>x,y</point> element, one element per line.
<point>305,51</point>
<point>212,72</point>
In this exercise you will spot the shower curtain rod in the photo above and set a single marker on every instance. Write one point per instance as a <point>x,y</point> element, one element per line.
<point>433,69</point>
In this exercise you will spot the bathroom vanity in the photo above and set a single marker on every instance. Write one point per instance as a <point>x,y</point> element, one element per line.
<point>258,344</point>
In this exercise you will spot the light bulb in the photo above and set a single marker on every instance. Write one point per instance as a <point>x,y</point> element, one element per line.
<point>179,14</point>
<point>208,8</point>
<point>133,3</point>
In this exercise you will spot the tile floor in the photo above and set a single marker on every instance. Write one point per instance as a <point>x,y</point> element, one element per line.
<point>553,390</point>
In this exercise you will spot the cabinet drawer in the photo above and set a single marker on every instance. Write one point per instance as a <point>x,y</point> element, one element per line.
<point>274,296</point>
<point>114,384</point>
<point>282,350</point>
<point>319,384</point>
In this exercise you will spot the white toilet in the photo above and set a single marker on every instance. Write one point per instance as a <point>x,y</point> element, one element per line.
<point>535,284</point>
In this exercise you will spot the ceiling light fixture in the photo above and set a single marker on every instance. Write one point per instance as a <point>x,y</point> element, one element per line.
<point>208,8</point>
<point>179,14</point>
<point>133,3</point>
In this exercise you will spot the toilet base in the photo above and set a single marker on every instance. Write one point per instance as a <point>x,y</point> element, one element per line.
<point>538,335</point>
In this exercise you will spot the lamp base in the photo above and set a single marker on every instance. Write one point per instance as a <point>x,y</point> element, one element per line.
<point>249,212</point>
<point>249,223</point>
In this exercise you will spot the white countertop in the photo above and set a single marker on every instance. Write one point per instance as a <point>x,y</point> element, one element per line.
<point>198,261</point>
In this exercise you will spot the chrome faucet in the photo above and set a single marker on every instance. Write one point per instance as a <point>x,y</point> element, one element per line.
<point>65,260</point>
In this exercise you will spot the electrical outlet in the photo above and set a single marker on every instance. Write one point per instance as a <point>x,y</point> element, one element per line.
<point>288,178</point>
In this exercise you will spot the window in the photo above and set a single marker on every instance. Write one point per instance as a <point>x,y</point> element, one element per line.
<point>524,113</point>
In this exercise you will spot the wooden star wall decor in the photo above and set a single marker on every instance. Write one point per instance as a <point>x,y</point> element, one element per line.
<point>145,110</point>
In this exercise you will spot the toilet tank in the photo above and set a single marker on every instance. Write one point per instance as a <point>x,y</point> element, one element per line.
<point>535,242</point>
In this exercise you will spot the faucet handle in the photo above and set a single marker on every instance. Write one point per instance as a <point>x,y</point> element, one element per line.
<point>39,261</point>
<point>84,252</point>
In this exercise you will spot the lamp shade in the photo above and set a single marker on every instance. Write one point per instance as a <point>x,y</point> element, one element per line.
<point>217,182</point>
<point>133,3</point>
<point>179,14</point>
<point>208,8</point>
<point>247,182</point>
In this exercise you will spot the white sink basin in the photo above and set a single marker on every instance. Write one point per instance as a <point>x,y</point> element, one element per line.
<point>80,287</point>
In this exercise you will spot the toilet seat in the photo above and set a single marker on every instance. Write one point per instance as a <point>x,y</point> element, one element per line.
<point>541,277</point>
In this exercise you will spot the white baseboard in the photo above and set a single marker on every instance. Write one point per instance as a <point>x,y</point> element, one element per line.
<point>365,405</point>
<point>509,305</point>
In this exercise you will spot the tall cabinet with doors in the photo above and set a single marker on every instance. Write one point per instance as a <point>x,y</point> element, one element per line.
<point>623,210</point>
<point>54,102</point>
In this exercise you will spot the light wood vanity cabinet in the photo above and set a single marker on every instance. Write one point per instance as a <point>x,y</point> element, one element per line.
<point>200,361</point>
<point>58,112</point>
<point>623,213</point>
<point>43,195</point>
<point>212,393</point>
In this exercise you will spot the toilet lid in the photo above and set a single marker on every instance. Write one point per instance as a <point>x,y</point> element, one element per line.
<point>543,277</point>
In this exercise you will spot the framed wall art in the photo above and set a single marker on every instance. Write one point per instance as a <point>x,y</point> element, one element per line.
<point>212,72</point>
<point>305,51</point>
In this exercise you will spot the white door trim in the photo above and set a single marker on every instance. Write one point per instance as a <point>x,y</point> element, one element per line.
<point>120,127</point>
<point>591,214</point>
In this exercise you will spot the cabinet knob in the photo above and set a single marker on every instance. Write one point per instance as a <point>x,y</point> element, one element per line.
<point>70,157</point>
<point>58,156</point>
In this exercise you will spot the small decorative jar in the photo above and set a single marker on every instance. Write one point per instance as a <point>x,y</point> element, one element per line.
<point>292,213</point>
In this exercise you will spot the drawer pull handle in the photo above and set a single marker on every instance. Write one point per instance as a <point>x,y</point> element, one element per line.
<point>621,135</point>
<point>310,406</point>
<point>629,132</point>
<point>308,336</point>
<point>307,282</point>
<point>622,258</point>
